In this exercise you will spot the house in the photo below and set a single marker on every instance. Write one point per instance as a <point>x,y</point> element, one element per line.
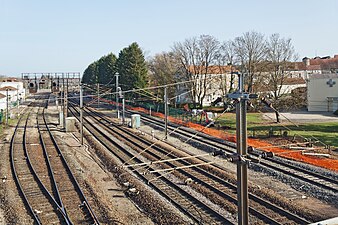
<point>322,92</point>
<point>2,101</point>
<point>218,82</point>
<point>317,65</point>
<point>12,94</point>
<point>13,83</point>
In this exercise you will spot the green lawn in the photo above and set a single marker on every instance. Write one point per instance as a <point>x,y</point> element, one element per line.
<point>326,132</point>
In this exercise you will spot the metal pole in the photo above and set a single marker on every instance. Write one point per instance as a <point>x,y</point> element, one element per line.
<point>242,166</point>
<point>79,80</point>
<point>98,95</point>
<point>63,100</point>
<point>66,97</point>
<point>123,110</point>
<point>81,113</point>
<point>6,107</point>
<point>165,113</point>
<point>17,100</point>
<point>117,95</point>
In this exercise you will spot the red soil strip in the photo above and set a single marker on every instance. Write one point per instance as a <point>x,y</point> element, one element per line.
<point>331,164</point>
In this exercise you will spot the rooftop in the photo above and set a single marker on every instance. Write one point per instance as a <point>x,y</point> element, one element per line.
<point>8,88</point>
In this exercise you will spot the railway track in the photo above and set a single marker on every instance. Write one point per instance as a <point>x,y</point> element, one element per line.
<point>45,181</point>
<point>283,166</point>
<point>38,200</point>
<point>187,203</point>
<point>204,178</point>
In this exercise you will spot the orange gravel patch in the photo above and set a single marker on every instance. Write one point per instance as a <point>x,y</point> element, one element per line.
<point>331,164</point>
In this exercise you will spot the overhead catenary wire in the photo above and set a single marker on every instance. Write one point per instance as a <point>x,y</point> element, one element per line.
<point>208,125</point>
<point>190,138</point>
<point>182,167</point>
<point>173,169</point>
<point>138,169</point>
<point>165,160</point>
<point>150,88</point>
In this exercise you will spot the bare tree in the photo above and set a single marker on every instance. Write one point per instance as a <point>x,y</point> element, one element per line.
<point>226,57</point>
<point>163,68</point>
<point>209,47</point>
<point>196,55</point>
<point>250,52</point>
<point>279,55</point>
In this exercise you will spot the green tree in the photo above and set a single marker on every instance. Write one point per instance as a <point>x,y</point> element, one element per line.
<point>132,68</point>
<point>101,71</point>
<point>106,68</point>
<point>90,74</point>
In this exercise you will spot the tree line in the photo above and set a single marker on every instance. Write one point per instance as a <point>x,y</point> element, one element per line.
<point>130,65</point>
<point>265,61</point>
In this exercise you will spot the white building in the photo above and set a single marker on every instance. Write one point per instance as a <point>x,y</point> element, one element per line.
<point>217,83</point>
<point>322,92</point>
<point>2,102</point>
<point>290,84</point>
<point>317,65</point>
<point>16,91</point>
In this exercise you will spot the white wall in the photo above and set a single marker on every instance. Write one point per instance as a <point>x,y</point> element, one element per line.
<point>19,85</point>
<point>319,90</point>
<point>286,89</point>
<point>2,103</point>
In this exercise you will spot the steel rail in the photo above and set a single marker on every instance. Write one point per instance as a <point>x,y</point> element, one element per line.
<point>74,181</point>
<point>36,177</point>
<point>230,148</point>
<point>145,179</point>
<point>267,204</point>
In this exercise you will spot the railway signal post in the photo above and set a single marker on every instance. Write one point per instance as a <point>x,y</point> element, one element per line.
<point>241,140</point>
<point>81,113</point>
<point>7,107</point>
<point>123,111</point>
<point>63,102</point>
<point>117,95</point>
<point>165,113</point>
<point>98,95</point>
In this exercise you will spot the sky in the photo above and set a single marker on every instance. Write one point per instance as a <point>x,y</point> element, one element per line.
<point>66,36</point>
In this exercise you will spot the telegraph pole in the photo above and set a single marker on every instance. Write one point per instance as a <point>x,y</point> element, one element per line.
<point>66,97</point>
<point>165,113</point>
<point>65,104</point>
<point>81,113</point>
<point>242,160</point>
<point>63,101</point>
<point>6,107</point>
<point>242,167</point>
<point>123,110</point>
<point>17,101</point>
<point>98,95</point>
<point>117,96</point>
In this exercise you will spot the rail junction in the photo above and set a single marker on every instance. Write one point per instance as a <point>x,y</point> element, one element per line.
<point>196,185</point>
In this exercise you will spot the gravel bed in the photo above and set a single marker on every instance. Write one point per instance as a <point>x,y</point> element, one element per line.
<point>265,191</point>
<point>310,189</point>
<point>149,201</point>
<point>319,170</point>
<point>11,204</point>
